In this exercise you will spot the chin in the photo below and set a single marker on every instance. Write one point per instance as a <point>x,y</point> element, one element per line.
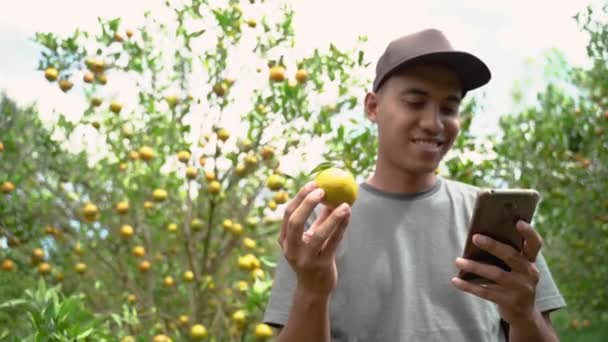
<point>420,168</point>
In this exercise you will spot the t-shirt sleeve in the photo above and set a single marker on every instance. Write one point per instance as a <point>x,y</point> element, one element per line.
<point>281,295</point>
<point>548,296</point>
<point>283,287</point>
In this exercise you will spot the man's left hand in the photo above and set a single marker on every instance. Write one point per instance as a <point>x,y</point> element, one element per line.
<point>513,291</point>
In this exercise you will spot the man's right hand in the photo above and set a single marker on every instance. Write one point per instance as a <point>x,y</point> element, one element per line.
<point>311,254</point>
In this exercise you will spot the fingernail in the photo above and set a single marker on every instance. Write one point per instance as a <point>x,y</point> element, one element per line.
<point>310,186</point>
<point>343,209</point>
<point>318,193</point>
<point>480,239</point>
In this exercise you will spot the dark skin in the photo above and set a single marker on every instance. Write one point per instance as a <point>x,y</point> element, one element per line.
<point>418,119</point>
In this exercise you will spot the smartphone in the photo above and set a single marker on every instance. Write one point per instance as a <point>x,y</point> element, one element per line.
<point>495,215</point>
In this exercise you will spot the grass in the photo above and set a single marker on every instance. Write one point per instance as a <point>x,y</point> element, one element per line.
<point>570,327</point>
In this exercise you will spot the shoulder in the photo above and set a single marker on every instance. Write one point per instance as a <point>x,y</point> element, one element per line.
<point>458,187</point>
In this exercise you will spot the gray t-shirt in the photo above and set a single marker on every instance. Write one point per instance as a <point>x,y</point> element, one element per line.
<point>395,265</point>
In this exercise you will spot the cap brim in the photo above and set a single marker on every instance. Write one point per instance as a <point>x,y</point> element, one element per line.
<point>472,71</point>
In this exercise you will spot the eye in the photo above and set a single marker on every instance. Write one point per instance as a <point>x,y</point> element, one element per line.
<point>416,105</point>
<point>449,110</point>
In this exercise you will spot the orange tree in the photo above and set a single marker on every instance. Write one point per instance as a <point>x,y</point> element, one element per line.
<point>559,146</point>
<point>163,195</point>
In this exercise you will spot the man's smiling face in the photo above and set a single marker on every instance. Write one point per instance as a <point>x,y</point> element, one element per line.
<point>417,113</point>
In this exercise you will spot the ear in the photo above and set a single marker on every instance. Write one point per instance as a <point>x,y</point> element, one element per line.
<point>371,106</point>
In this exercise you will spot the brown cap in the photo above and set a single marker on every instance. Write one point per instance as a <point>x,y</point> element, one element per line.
<point>431,46</point>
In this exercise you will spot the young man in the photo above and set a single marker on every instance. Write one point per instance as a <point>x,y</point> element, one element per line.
<point>384,269</point>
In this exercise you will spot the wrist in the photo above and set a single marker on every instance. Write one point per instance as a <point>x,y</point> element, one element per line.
<point>533,320</point>
<point>313,296</point>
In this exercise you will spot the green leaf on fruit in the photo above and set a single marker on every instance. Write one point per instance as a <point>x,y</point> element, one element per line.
<point>320,167</point>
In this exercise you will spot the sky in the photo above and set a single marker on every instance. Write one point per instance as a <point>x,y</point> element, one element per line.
<point>508,35</point>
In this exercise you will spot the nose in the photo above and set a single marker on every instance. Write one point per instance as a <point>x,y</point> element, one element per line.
<point>430,121</point>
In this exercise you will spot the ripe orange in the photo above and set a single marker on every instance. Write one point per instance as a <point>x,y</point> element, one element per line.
<point>251,161</point>
<point>188,275</point>
<point>198,332</point>
<point>240,170</point>
<point>183,156</point>
<point>51,74</point>
<point>159,195</point>
<point>8,265</point>
<point>263,331</point>
<point>80,267</point>
<point>252,23</point>
<point>215,187</point>
<point>277,74</point>
<point>191,172</point>
<point>280,197</point>
<point>249,243</point>
<point>7,187</point>
<point>97,65</point>
<point>196,224</point>
<point>267,152</point>
<point>161,338</point>
<point>301,76</point>
<point>65,85</point>
<point>90,212</point>
<point>139,251</point>
<point>145,266</point>
<point>44,268</point>
<point>223,134</point>
<point>168,281</point>
<point>95,101</point>
<point>131,298</point>
<point>88,77</point>
<point>172,228</point>
<point>146,153</point>
<point>122,207</point>
<point>275,182</point>
<point>239,317</point>
<point>209,176</point>
<point>101,78</point>
<point>126,231</point>
<point>115,107</point>
<point>339,185</point>
<point>220,89</point>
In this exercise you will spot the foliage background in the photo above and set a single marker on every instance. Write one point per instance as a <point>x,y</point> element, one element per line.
<point>181,100</point>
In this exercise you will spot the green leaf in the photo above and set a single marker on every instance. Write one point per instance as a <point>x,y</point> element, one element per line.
<point>196,34</point>
<point>268,262</point>
<point>85,334</point>
<point>114,24</point>
<point>12,303</point>
<point>320,167</point>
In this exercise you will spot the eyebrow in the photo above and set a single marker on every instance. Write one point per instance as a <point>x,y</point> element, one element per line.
<point>421,92</point>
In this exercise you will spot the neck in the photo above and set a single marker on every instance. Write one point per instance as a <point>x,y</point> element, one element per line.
<point>396,180</point>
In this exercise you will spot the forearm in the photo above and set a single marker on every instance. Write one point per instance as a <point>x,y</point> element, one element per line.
<point>536,329</point>
<point>308,319</point>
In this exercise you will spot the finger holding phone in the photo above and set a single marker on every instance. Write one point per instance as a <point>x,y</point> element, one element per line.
<point>513,291</point>
<point>498,263</point>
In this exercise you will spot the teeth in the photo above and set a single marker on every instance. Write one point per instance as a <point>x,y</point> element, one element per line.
<point>427,142</point>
